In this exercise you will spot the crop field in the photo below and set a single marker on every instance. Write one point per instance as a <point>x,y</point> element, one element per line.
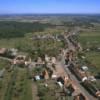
<point>94,58</point>
<point>4,81</point>
<point>3,64</point>
<point>22,87</point>
<point>15,84</point>
<point>91,39</point>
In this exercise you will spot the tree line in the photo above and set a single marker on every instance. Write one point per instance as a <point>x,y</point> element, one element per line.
<point>13,29</point>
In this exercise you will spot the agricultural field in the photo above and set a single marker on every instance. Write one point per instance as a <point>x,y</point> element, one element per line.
<point>3,64</point>
<point>94,58</point>
<point>15,84</point>
<point>22,87</point>
<point>90,40</point>
<point>5,79</point>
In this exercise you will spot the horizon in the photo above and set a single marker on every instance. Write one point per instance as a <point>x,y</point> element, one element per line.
<point>49,7</point>
<point>50,14</point>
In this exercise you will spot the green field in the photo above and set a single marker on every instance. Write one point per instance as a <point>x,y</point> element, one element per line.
<point>5,80</point>
<point>15,84</point>
<point>22,87</point>
<point>94,59</point>
<point>91,39</point>
<point>3,64</point>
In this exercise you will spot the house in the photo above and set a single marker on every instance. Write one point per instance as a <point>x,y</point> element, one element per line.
<point>54,76</point>
<point>20,59</point>
<point>60,81</point>
<point>92,78</point>
<point>3,51</point>
<point>66,79</point>
<point>39,62</point>
<point>38,77</point>
<point>45,74</point>
<point>53,60</point>
<point>12,52</point>
<point>84,68</point>
<point>60,84</point>
<point>47,58</point>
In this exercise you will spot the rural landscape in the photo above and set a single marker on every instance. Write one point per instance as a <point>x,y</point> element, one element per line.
<point>50,57</point>
<point>49,49</point>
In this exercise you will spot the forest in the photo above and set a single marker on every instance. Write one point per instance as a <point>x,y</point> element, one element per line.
<point>13,29</point>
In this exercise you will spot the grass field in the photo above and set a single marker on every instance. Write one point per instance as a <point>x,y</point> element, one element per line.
<point>94,58</point>
<point>88,39</point>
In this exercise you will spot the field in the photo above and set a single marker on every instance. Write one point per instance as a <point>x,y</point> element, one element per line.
<point>3,64</point>
<point>94,58</point>
<point>91,40</point>
<point>5,80</point>
<point>15,84</point>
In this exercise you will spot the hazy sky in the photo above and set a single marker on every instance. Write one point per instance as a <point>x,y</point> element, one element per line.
<point>49,6</point>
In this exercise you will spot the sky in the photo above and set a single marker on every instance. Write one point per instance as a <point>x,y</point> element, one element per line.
<point>49,6</point>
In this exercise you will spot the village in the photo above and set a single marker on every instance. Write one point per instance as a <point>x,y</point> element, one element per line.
<point>53,78</point>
